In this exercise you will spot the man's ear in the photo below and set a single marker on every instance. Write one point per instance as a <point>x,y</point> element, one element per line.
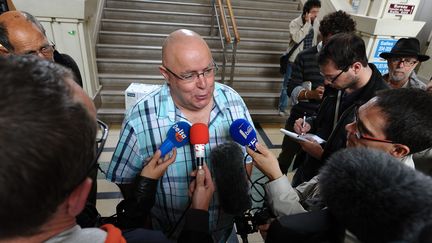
<point>400,150</point>
<point>77,199</point>
<point>164,73</point>
<point>357,67</point>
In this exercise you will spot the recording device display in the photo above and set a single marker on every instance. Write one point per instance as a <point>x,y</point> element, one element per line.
<point>243,133</point>
<point>199,137</point>
<point>177,136</point>
<point>231,178</point>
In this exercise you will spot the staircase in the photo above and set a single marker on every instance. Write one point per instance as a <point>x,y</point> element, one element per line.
<point>132,32</point>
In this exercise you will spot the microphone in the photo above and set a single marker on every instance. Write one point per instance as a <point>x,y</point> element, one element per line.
<point>199,137</point>
<point>243,133</point>
<point>230,178</point>
<point>375,196</point>
<point>177,136</point>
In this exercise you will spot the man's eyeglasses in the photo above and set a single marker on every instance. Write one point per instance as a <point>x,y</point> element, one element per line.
<point>337,76</point>
<point>193,76</point>
<point>360,135</point>
<point>46,51</point>
<point>407,62</point>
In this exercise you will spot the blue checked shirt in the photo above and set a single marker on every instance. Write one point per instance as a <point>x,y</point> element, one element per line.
<point>145,128</point>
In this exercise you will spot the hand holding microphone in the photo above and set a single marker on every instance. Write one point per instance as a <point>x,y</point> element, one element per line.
<point>157,166</point>
<point>266,162</point>
<point>201,189</point>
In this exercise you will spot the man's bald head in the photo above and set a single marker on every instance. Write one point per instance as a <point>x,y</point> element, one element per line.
<point>21,33</point>
<point>178,41</point>
<point>189,69</point>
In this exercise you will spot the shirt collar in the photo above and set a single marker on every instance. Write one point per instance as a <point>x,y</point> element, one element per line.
<point>167,108</point>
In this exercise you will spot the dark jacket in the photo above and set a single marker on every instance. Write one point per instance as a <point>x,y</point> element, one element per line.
<point>305,68</point>
<point>133,213</point>
<point>322,125</point>
<point>314,226</point>
<point>67,61</point>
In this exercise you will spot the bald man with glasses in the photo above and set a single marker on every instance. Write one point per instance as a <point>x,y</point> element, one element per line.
<point>22,34</point>
<point>190,94</point>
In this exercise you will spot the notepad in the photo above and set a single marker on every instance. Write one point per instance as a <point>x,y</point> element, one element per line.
<point>302,138</point>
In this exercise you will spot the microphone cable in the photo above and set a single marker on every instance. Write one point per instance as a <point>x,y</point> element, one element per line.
<point>254,183</point>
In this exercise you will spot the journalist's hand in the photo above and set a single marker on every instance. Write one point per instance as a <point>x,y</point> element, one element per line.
<point>156,167</point>
<point>201,189</point>
<point>265,161</point>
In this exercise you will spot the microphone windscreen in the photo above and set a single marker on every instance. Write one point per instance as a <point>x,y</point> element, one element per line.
<point>230,177</point>
<point>243,133</point>
<point>375,196</point>
<point>199,134</point>
<point>177,136</point>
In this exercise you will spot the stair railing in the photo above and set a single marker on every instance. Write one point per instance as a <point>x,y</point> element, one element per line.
<point>235,42</point>
<point>226,33</point>
<point>225,37</point>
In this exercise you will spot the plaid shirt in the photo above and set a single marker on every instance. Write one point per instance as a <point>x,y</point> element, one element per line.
<point>145,128</point>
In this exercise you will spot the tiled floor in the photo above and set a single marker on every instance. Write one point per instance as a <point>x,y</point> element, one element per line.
<point>109,195</point>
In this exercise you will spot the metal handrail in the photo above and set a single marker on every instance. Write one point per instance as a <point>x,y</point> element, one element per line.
<point>226,34</point>
<point>233,21</point>
<point>224,22</point>
<point>215,15</point>
<point>236,40</point>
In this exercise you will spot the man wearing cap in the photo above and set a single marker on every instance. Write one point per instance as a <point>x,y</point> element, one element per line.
<point>402,60</point>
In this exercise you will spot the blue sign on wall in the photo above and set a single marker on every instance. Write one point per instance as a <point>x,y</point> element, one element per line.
<point>382,67</point>
<point>384,45</point>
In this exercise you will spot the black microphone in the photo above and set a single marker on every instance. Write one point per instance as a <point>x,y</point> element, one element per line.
<point>375,196</point>
<point>231,178</point>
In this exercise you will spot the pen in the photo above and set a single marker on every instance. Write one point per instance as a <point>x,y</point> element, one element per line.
<point>304,122</point>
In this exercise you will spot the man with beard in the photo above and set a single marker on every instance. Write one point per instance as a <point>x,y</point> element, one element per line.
<point>402,60</point>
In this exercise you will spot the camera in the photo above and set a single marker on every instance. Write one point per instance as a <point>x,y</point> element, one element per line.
<point>248,223</point>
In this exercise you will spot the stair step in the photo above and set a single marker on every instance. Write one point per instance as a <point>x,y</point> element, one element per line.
<point>133,38</point>
<point>182,17</point>
<point>159,5</point>
<point>140,66</point>
<point>202,29</point>
<point>116,115</point>
<point>154,52</point>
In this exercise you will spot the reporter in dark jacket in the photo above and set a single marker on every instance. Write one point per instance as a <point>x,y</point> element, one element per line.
<point>351,81</point>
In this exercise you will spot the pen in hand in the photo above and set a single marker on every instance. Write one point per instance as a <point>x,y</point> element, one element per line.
<point>303,123</point>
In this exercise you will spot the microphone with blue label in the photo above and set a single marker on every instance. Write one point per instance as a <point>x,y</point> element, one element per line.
<point>177,136</point>
<point>244,133</point>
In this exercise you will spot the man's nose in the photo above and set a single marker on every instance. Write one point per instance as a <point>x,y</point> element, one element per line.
<point>201,80</point>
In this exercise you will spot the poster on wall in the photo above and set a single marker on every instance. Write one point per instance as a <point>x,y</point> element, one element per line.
<point>401,9</point>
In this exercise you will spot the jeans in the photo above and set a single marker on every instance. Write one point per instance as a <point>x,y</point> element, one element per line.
<point>283,98</point>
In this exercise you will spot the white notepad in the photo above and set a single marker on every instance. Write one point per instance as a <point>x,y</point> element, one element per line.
<point>302,138</point>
